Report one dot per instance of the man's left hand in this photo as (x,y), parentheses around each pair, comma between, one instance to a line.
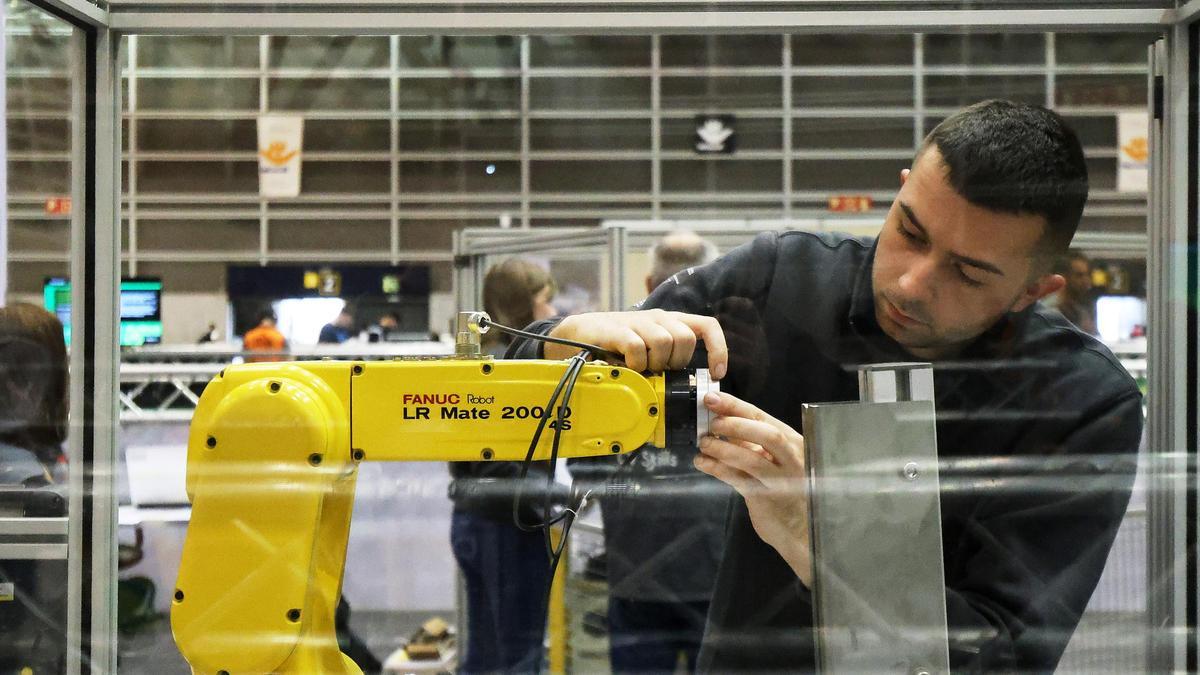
(763,459)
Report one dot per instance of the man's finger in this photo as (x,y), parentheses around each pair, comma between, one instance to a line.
(706,328)
(683,343)
(658,342)
(738,480)
(729,405)
(632,348)
(743,459)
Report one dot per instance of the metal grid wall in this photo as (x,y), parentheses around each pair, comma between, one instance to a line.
(400,132)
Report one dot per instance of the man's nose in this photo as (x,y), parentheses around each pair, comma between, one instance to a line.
(917,280)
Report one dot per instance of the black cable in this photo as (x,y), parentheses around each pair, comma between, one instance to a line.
(572,373)
(596,352)
(565,387)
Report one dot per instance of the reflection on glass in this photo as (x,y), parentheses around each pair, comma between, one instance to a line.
(33,341)
(395,167)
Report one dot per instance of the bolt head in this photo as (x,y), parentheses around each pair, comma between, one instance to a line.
(911,471)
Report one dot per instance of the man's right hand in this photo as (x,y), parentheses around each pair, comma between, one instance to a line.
(653,339)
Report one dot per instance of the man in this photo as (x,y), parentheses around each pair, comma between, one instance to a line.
(1042,412)
(1075,300)
(338,331)
(657,607)
(264,337)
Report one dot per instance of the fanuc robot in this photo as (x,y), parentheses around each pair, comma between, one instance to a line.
(273,453)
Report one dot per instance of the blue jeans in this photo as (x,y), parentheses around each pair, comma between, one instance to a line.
(506,572)
(648,637)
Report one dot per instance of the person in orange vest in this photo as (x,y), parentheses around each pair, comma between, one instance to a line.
(265,337)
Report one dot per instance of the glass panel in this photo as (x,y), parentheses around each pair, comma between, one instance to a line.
(33,93)
(36,320)
(799,314)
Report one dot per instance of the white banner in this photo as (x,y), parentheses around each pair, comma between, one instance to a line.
(280,140)
(1133,152)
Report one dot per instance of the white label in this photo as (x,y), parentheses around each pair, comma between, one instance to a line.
(280,143)
(1133,152)
(7,592)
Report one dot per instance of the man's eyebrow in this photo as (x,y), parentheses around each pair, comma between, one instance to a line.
(967,260)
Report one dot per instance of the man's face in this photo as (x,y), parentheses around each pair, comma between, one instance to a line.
(947,270)
(1079,278)
(542,309)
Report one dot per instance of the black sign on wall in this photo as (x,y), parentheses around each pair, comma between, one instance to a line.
(715,134)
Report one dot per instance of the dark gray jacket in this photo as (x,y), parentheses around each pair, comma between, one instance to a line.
(1022,554)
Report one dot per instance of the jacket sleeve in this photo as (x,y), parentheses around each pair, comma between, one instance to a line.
(1036,550)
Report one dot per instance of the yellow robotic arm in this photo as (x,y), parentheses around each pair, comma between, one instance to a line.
(273,453)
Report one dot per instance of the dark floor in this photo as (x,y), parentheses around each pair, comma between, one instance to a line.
(151,650)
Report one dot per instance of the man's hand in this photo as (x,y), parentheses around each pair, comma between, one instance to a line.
(763,459)
(652,340)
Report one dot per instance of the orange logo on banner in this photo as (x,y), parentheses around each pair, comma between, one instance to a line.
(277,153)
(850,203)
(58,206)
(1137,149)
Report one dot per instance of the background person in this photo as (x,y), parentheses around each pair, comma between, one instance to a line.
(338,330)
(265,337)
(1076,301)
(33,428)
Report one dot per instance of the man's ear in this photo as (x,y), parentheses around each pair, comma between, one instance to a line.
(1040,288)
(904,175)
(649,284)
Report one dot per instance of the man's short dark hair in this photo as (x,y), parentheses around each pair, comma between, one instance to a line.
(1016,158)
(267,313)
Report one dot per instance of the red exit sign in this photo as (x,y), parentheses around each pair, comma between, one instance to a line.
(58,206)
(850,203)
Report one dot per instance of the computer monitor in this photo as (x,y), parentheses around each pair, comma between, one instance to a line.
(141,308)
